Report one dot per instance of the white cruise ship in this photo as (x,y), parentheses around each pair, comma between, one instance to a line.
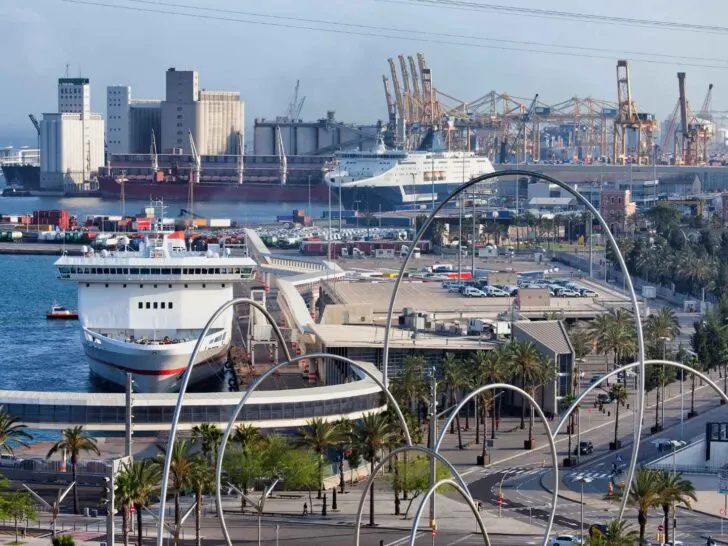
(141,312)
(390,179)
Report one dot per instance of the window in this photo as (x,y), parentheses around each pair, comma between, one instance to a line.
(149,305)
(155,304)
(163,305)
(141,305)
(169,305)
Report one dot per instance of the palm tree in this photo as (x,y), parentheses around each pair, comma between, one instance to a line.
(346,429)
(209,437)
(248,437)
(614,334)
(144,477)
(701,270)
(526,366)
(674,489)
(12,433)
(373,433)
(201,480)
(409,386)
(179,470)
(454,377)
(72,443)
(662,325)
(581,341)
(695,365)
(124,499)
(488,368)
(566,403)
(618,393)
(644,494)
(618,533)
(319,435)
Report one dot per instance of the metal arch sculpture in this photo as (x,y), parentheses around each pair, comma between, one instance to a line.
(463,493)
(622,265)
(550,436)
(629,366)
(183,389)
(250,390)
(385,460)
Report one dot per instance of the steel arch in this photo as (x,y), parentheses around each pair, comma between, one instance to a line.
(622,265)
(554,455)
(183,390)
(464,494)
(250,390)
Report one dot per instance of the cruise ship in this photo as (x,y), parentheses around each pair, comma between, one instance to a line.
(384,179)
(141,312)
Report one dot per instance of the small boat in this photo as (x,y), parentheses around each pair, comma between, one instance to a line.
(60,312)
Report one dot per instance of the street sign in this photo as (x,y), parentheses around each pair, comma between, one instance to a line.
(723,482)
(132,509)
(660,528)
(620,459)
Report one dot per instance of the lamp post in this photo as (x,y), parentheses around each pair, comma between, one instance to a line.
(582,480)
(664,340)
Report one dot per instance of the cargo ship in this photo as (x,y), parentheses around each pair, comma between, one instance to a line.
(256,178)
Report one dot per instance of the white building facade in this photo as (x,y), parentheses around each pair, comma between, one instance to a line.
(71,140)
(130,122)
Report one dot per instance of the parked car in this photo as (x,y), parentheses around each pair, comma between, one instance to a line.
(496,292)
(585,447)
(595,379)
(10,461)
(472,292)
(565,540)
(587,293)
(603,398)
(567,293)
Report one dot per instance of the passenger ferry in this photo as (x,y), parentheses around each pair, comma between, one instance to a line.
(141,312)
(389,179)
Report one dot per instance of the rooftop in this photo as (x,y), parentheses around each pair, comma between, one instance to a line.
(550,333)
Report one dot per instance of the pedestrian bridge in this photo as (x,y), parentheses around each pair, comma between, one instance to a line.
(353,396)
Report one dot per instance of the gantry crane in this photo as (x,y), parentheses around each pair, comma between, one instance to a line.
(627,117)
(416,97)
(521,134)
(407,98)
(389,136)
(400,128)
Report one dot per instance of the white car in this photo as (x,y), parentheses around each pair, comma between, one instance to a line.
(566,293)
(565,540)
(497,292)
(472,292)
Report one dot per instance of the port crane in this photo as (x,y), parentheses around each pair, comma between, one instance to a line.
(389,136)
(296,105)
(522,127)
(628,118)
(35,123)
(194,177)
(407,93)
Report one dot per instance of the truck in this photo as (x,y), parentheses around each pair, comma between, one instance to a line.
(495,328)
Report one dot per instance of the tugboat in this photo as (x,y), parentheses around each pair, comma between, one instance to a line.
(58,312)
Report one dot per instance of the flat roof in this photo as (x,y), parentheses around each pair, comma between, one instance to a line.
(338,335)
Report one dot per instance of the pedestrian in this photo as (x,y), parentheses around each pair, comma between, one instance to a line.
(305,509)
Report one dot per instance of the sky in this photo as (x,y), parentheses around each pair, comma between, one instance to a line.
(342,70)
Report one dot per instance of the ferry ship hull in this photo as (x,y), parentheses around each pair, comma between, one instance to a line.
(155,369)
(386,198)
(247,192)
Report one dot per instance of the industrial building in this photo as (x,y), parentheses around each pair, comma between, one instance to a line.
(130,122)
(214,119)
(293,137)
(72,139)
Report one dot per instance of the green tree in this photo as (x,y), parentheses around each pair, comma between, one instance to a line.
(618,533)
(319,435)
(12,433)
(489,367)
(73,442)
(413,476)
(19,507)
(346,430)
(243,468)
(144,478)
(63,540)
(664,218)
(674,490)
(373,433)
(614,333)
(618,393)
(581,341)
(202,480)
(409,387)
(209,437)
(179,471)
(124,499)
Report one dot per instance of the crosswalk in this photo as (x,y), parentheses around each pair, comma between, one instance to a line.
(592,474)
(513,472)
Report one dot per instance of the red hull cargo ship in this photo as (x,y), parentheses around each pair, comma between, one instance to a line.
(173,176)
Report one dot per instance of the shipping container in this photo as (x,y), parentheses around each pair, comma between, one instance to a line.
(220,222)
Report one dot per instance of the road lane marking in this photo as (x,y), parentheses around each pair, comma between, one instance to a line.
(402,540)
(461,539)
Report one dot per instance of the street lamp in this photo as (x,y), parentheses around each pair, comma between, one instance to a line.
(664,340)
(582,480)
